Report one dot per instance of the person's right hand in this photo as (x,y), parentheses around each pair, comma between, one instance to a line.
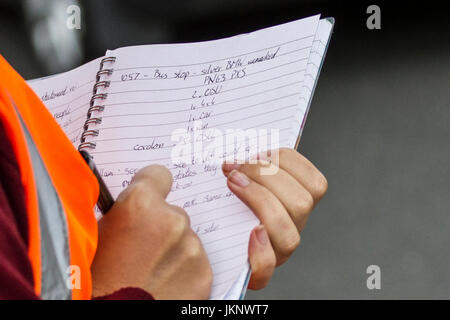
(147,243)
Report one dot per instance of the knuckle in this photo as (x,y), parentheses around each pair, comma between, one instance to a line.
(176,227)
(193,249)
(321,186)
(181,212)
(271,264)
(289,246)
(304,205)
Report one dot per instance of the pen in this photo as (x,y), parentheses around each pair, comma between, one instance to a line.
(105,200)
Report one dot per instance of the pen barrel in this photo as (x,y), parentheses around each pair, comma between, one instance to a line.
(105,200)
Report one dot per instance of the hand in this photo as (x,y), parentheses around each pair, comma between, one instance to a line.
(147,243)
(282,201)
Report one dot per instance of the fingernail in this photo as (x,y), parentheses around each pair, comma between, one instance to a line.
(261,235)
(230,166)
(239,178)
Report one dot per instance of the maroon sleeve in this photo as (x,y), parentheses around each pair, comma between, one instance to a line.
(130,293)
(16,276)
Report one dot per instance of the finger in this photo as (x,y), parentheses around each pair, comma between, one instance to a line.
(300,168)
(157,180)
(262,258)
(291,193)
(304,172)
(281,229)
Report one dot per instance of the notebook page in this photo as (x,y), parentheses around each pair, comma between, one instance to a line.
(251,81)
(314,65)
(67,97)
(318,51)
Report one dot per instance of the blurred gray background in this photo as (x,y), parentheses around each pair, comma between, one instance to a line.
(379,126)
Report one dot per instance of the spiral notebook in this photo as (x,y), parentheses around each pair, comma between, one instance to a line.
(136,105)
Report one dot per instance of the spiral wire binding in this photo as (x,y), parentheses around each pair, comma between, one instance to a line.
(96,107)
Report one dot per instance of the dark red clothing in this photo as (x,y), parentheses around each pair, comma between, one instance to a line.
(16,276)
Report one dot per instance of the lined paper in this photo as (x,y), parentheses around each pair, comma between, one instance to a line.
(250,81)
(67,97)
(314,65)
(318,50)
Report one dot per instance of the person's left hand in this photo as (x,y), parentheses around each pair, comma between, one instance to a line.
(282,201)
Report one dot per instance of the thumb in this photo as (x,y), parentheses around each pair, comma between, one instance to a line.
(152,183)
(262,258)
(157,179)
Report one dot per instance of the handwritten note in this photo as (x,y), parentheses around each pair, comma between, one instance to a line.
(67,97)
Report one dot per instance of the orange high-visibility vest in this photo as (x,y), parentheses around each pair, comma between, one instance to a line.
(60,192)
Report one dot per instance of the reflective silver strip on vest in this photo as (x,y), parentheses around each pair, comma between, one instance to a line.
(55,255)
